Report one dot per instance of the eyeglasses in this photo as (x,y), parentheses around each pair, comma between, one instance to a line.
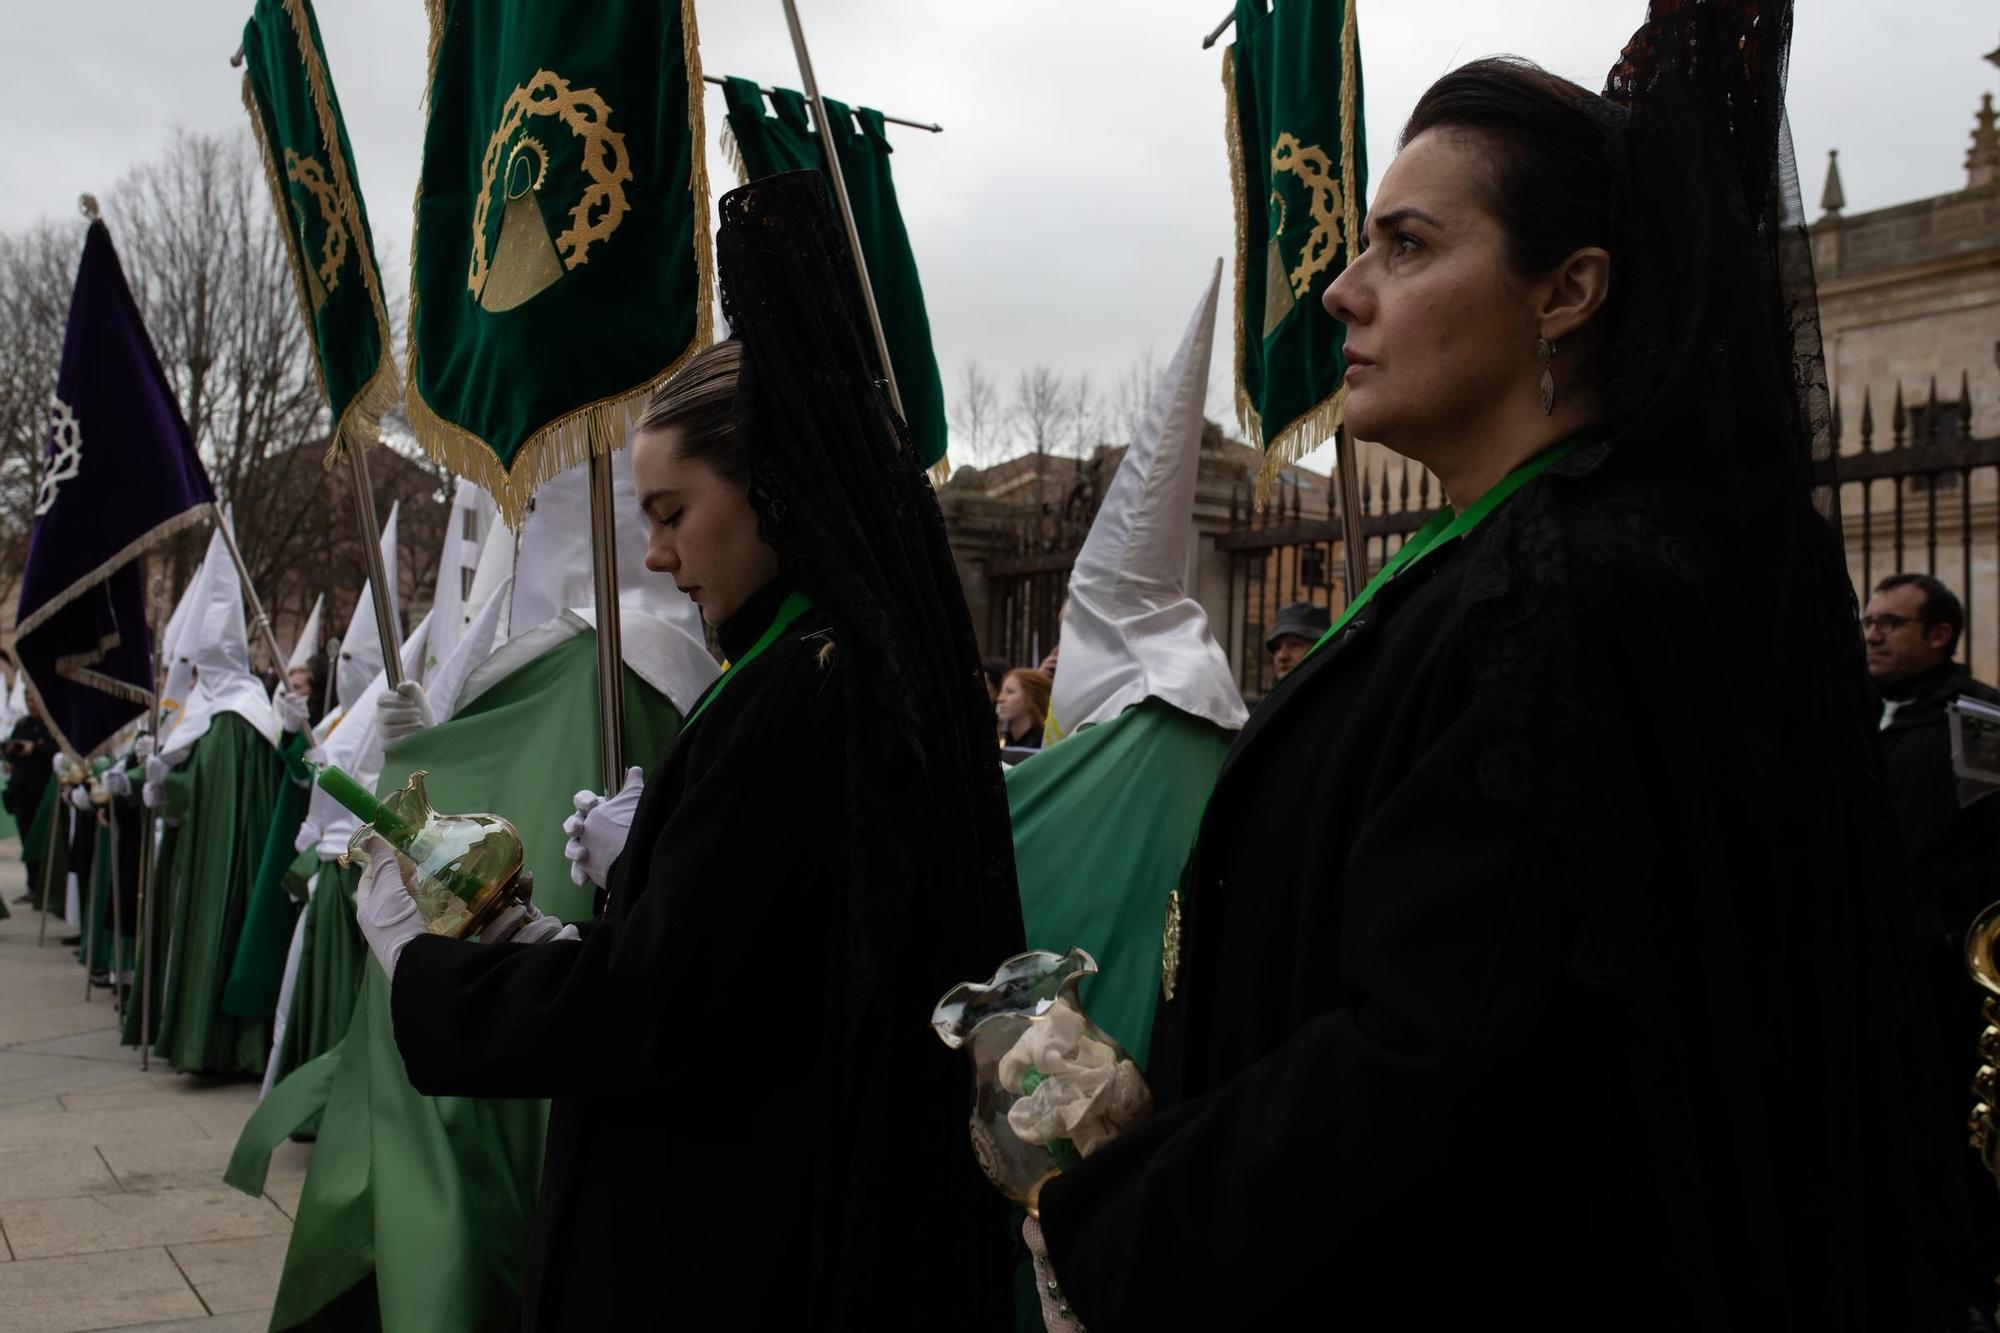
(1887,623)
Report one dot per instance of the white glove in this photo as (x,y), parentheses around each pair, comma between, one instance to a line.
(142,749)
(527,924)
(116,782)
(291,709)
(384,909)
(79,797)
(1055,1310)
(156,770)
(402,711)
(598,829)
(150,794)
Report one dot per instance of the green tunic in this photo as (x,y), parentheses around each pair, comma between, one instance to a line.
(35,849)
(1103,821)
(152,951)
(259,966)
(434,1197)
(230,784)
(330,964)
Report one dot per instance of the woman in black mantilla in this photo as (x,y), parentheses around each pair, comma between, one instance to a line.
(1541,965)
(753,1125)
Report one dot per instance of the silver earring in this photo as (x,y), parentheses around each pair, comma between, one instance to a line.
(1547,351)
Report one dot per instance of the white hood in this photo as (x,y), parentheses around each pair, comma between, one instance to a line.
(355,747)
(308,644)
(1131,631)
(180,670)
(361,655)
(216,641)
(466,528)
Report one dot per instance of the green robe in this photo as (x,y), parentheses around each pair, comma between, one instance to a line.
(152,951)
(1103,821)
(229,786)
(433,1198)
(96,949)
(258,969)
(35,849)
(330,968)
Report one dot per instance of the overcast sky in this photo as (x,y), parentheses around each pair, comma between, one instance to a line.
(1080,193)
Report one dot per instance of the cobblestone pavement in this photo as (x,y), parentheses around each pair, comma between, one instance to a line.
(113,1213)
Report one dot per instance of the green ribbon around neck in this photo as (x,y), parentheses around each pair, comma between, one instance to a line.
(794,606)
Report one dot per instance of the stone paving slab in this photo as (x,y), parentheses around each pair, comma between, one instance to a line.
(113,1213)
(80,1292)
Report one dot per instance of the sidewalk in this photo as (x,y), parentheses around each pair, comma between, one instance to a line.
(113,1213)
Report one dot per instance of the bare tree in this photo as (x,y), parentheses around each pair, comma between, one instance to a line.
(1131,396)
(1083,417)
(37,271)
(977,435)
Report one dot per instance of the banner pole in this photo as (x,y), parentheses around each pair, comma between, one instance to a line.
(1354,546)
(610,647)
(927,126)
(378,578)
(86,892)
(117,914)
(833,174)
(261,623)
(56,813)
(148,827)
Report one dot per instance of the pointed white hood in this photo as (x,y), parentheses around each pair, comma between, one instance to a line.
(356,747)
(180,670)
(308,644)
(215,640)
(1131,631)
(361,655)
(466,529)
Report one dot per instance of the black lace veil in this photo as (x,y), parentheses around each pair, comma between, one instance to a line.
(926,884)
(1774,988)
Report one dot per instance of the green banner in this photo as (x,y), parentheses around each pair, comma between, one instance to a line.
(1298,160)
(309,163)
(762,144)
(560,268)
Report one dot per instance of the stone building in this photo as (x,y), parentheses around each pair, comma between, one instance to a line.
(1909,302)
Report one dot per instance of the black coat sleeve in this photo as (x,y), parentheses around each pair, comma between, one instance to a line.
(666,990)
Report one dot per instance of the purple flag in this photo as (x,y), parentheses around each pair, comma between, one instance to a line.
(120,474)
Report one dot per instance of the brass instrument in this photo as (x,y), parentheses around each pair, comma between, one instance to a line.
(1985,969)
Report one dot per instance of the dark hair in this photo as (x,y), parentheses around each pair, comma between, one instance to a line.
(996,670)
(1551,184)
(1941,605)
(700,403)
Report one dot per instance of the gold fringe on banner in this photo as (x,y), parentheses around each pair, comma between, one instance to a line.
(595,428)
(1319,424)
(76,667)
(132,550)
(732,152)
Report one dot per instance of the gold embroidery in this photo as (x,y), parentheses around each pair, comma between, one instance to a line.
(1170,947)
(1324,204)
(524,260)
(306,172)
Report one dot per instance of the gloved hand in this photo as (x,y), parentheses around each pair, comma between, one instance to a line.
(79,796)
(292,710)
(117,783)
(150,794)
(598,829)
(156,770)
(527,924)
(384,909)
(402,711)
(1055,1310)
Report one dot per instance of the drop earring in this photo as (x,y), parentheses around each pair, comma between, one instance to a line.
(1547,351)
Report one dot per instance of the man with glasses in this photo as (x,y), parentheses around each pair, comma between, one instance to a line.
(1911,631)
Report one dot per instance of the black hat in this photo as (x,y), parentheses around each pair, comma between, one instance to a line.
(1301,618)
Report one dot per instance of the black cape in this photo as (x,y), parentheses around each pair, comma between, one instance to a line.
(1475,1023)
(694,1045)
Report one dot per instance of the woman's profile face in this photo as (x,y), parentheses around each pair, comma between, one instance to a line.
(1012,704)
(701,529)
(1439,330)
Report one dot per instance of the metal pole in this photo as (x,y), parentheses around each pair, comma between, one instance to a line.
(833,174)
(89,921)
(931,127)
(260,623)
(610,649)
(327,692)
(1215,35)
(117,916)
(378,578)
(1355,545)
(56,813)
(148,865)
